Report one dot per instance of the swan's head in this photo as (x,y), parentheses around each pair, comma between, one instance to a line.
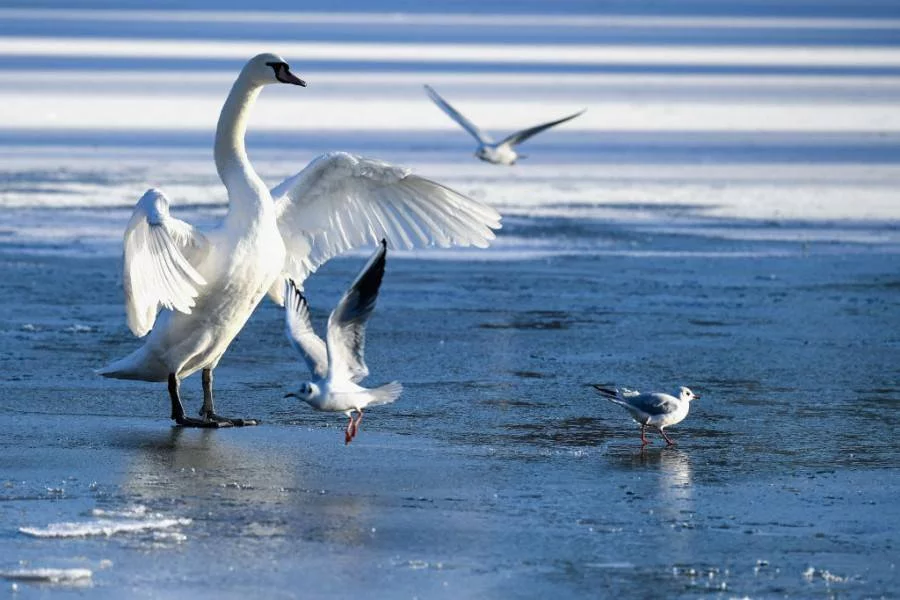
(686,394)
(268,68)
(307,392)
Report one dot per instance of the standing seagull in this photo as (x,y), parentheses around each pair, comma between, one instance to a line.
(338,365)
(655,409)
(497,153)
(190,292)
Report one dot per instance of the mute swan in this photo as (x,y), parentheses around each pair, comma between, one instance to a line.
(655,409)
(193,291)
(497,153)
(339,365)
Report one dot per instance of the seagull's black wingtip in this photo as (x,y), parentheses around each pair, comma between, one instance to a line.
(294,289)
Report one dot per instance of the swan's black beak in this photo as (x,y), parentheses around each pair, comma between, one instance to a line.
(290,395)
(284,75)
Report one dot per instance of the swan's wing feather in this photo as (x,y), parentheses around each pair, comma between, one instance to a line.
(458,117)
(341,201)
(158,269)
(520,136)
(300,333)
(347,323)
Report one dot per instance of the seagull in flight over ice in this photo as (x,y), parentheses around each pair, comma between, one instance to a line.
(654,409)
(189,292)
(497,153)
(337,363)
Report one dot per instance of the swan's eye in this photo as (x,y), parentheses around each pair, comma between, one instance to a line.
(277,67)
(284,75)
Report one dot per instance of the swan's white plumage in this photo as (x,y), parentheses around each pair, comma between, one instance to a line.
(341,201)
(194,291)
(157,271)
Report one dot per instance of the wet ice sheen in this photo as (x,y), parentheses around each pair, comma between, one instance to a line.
(758,267)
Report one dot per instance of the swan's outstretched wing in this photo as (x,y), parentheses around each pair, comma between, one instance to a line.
(300,333)
(520,136)
(458,117)
(347,323)
(341,201)
(159,250)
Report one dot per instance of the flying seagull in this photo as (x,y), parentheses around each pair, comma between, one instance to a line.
(654,409)
(498,153)
(338,365)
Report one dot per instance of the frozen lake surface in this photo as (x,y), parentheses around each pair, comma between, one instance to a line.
(721,219)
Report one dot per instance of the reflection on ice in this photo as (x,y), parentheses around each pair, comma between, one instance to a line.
(220,480)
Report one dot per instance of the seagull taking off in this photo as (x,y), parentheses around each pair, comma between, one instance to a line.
(498,153)
(338,364)
(655,409)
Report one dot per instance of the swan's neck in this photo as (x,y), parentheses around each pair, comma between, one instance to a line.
(247,194)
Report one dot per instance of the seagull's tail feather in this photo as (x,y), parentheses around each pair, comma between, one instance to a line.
(386,393)
(608,393)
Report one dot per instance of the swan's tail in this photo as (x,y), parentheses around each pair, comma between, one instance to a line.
(386,393)
(138,365)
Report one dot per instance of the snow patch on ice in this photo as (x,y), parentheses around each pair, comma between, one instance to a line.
(134,519)
(102,527)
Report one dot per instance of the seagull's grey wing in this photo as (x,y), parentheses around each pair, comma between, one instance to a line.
(459,118)
(300,333)
(347,323)
(520,136)
(653,404)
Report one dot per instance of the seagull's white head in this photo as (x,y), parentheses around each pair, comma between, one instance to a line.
(308,392)
(268,68)
(686,394)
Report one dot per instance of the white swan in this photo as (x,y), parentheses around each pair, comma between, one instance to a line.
(497,153)
(193,291)
(338,365)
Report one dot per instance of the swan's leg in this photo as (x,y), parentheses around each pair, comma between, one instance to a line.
(178,409)
(208,410)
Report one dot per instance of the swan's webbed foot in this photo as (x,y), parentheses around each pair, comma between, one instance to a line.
(208,410)
(211,417)
(184,421)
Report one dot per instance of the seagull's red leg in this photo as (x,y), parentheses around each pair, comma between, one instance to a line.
(669,441)
(348,435)
(356,424)
(644,440)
